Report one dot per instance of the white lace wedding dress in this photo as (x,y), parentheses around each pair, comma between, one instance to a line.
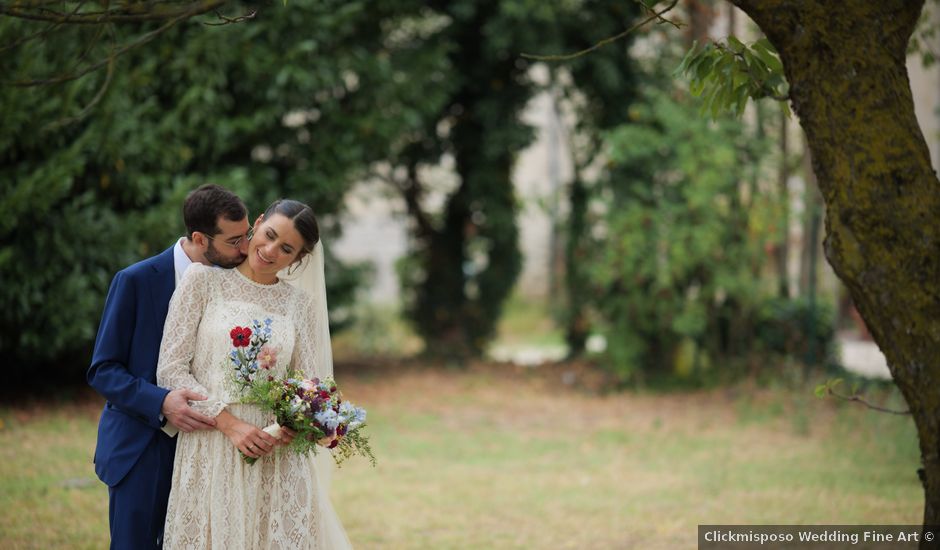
(217,500)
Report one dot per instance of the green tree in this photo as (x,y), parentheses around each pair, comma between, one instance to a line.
(601,89)
(677,268)
(275,106)
(466,257)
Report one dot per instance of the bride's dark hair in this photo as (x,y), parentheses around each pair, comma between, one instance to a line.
(304,221)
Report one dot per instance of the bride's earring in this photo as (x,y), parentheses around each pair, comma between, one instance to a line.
(293,267)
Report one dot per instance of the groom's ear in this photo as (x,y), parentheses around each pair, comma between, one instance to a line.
(199,239)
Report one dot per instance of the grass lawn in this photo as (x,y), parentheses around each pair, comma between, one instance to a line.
(503,457)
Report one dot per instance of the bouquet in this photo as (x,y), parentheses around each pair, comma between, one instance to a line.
(313,409)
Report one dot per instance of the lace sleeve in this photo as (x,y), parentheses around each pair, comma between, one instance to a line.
(179,339)
(305,334)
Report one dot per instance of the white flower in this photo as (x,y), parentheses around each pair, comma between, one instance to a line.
(296,404)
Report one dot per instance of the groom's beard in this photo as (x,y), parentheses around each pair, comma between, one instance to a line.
(216,258)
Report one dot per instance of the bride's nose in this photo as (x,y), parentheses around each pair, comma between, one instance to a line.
(270,251)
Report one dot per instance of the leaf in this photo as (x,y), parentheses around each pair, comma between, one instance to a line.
(742,93)
(736,45)
(689,55)
(692,69)
(768,54)
(739,77)
(705,67)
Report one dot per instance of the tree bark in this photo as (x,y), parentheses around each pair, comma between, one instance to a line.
(848,83)
(701,15)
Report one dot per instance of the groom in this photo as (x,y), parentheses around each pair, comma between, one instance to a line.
(134,457)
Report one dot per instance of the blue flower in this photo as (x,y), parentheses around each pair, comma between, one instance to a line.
(328,418)
(347,409)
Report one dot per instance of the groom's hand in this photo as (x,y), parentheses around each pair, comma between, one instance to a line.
(177,411)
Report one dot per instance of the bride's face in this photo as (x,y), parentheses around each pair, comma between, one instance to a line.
(275,245)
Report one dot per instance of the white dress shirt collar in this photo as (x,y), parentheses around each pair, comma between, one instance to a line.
(181,261)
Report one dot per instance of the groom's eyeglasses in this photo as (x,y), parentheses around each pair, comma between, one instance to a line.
(234,243)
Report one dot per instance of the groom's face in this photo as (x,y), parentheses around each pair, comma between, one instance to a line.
(230,246)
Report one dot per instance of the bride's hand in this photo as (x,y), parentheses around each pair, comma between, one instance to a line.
(248,439)
(287,435)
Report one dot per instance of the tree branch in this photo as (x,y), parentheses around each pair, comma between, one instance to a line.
(858,399)
(118,15)
(91,105)
(231,20)
(655,15)
(410,190)
(38,34)
(113,54)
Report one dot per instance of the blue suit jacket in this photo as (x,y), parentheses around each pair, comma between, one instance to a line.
(124,365)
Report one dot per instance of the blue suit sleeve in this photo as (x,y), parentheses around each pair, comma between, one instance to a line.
(109,373)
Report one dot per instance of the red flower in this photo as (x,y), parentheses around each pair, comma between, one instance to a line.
(241,336)
(333,443)
(324,395)
(333,389)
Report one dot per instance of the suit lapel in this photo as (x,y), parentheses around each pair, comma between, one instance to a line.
(162,285)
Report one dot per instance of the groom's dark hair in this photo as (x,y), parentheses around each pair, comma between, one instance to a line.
(202,208)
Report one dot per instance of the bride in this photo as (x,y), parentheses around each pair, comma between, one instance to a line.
(217,500)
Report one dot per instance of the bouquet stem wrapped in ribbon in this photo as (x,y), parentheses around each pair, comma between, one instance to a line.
(313,409)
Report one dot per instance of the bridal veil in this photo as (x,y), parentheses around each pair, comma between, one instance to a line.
(309,276)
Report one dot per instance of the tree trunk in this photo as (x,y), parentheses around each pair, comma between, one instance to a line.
(576,284)
(848,83)
(783,249)
(469,263)
(701,15)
